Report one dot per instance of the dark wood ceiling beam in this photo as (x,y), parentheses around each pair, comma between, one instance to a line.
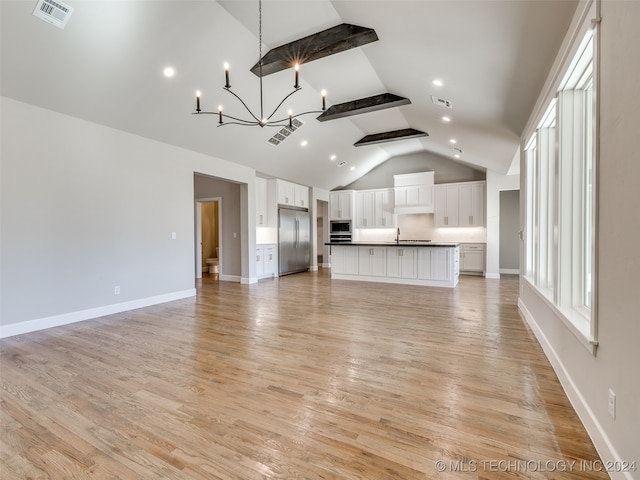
(390,136)
(363,105)
(319,45)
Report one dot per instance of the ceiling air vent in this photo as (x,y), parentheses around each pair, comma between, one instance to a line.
(284,132)
(441,102)
(55,13)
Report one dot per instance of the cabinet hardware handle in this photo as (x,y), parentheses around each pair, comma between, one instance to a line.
(471,219)
(257,258)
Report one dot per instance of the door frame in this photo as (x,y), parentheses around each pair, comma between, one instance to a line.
(198,236)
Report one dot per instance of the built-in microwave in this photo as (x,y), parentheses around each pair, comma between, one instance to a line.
(340,226)
(340,231)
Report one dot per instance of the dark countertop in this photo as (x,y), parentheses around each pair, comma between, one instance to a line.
(392,244)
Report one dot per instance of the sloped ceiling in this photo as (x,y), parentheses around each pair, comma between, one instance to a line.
(106,67)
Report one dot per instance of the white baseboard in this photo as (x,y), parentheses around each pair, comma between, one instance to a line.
(326,265)
(313,268)
(510,271)
(598,436)
(493,276)
(230,278)
(79,316)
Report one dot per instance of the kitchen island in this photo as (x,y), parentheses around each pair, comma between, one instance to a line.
(411,263)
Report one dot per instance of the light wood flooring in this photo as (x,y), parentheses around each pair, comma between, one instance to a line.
(299,377)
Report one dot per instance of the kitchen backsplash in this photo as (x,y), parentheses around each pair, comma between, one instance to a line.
(421,227)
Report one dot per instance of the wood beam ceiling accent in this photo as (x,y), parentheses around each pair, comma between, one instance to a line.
(318,45)
(363,105)
(390,136)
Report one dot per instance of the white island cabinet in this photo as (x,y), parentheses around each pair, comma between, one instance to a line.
(435,265)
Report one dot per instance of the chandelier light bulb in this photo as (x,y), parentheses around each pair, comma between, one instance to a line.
(226,75)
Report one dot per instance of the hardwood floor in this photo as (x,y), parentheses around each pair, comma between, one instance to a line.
(297,377)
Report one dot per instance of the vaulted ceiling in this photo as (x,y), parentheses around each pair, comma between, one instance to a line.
(107,65)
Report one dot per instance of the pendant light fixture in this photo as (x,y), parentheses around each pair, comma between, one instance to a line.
(260,120)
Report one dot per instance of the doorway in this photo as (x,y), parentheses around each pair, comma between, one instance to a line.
(509,226)
(208,245)
(322,233)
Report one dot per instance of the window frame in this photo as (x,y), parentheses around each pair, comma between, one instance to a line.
(560,241)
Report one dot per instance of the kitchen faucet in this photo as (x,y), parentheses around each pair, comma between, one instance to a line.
(398,236)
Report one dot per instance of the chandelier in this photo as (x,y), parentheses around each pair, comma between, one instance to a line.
(261,120)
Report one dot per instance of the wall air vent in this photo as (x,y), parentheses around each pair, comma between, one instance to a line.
(441,102)
(284,132)
(55,13)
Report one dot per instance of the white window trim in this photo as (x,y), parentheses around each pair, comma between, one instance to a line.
(583,327)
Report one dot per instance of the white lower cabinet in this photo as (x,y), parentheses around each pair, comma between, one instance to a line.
(401,262)
(472,258)
(428,266)
(266,260)
(436,264)
(372,261)
(344,260)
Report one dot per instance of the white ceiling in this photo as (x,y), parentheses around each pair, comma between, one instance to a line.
(106,66)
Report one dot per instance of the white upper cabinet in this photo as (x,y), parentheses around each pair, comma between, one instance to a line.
(292,194)
(459,204)
(341,205)
(471,208)
(262,219)
(374,208)
(446,207)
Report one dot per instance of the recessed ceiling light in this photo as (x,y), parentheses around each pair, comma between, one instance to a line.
(457,155)
(353,168)
(446,119)
(437,82)
(169,72)
(332,158)
(303,143)
(453,140)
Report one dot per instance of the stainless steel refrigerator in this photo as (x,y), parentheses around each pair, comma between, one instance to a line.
(293,240)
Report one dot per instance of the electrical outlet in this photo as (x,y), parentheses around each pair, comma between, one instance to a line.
(611,404)
(116,290)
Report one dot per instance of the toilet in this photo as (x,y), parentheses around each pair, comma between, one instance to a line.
(214,263)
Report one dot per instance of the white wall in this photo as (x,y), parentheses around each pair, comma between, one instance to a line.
(85,208)
(587,377)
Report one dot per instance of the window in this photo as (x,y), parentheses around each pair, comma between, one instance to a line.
(561,196)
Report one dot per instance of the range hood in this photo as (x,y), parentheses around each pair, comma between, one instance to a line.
(413,193)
